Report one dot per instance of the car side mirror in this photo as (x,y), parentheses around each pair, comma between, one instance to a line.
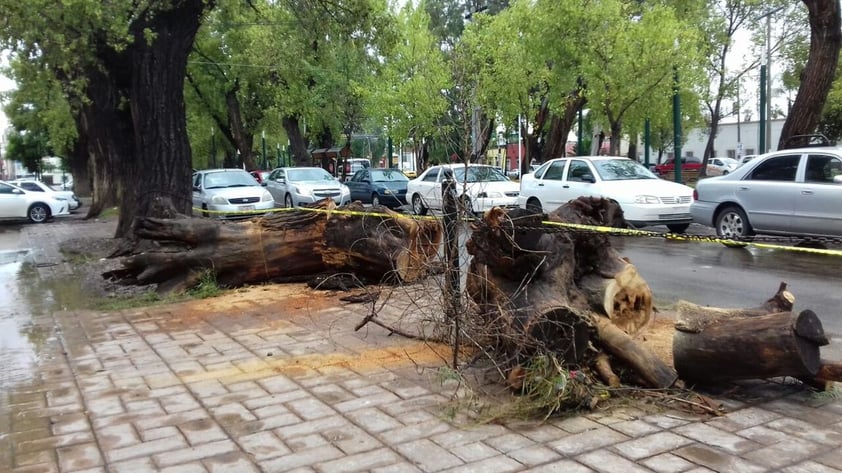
(588,178)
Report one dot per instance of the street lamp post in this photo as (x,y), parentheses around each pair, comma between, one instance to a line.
(676,122)
(766,84)
(761,145)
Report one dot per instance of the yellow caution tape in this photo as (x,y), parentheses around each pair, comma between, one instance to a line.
(575,226)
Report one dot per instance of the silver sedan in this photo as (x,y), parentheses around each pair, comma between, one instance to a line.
(789,192)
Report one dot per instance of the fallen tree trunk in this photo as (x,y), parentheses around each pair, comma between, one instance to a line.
(744,347)
(288,246)
(567,293)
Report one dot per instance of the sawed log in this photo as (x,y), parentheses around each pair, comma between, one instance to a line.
(745,347)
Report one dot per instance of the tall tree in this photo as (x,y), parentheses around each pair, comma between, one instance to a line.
(819,72)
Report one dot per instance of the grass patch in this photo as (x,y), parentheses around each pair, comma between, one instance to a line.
(206,287)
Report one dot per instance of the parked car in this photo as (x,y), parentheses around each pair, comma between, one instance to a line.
(721,166)
(788,192)
(351,166)
(229,194)
(644,198)
(747,158)
(73,202)
(260,176)
(379,186)
(38,207)
(480,187)
(292,187)
(515,173)
(688,163)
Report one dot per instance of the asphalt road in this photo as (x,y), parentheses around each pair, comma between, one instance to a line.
(712,274)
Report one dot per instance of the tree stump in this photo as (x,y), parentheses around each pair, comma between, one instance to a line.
(547,289)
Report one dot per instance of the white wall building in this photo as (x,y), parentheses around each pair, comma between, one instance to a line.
(726,144)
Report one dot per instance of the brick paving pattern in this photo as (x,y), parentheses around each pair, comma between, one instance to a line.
(274,384)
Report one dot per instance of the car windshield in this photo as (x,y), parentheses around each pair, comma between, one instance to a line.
(621,170)
(479,174)
(309,175)
(219,180)
(387,175)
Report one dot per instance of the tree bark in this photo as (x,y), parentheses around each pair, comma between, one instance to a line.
(540,291)
(287,246)
(819,72)
(161,164)
(764,346)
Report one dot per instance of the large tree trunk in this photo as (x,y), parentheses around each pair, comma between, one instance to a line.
(107,128)
(242,138)
(161,164)
(297,141)
(817,77)
(540,291)
(79,162)
(286,246)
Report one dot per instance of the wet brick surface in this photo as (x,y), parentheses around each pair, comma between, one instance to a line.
(257,385)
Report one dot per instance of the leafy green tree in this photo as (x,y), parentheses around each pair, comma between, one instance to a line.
(407,91)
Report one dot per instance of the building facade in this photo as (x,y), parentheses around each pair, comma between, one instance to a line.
(730,137)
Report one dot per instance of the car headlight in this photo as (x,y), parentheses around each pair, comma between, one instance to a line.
(388,191)
(344,190)
(646,199)
(489,195)
(219,200)
(266,197)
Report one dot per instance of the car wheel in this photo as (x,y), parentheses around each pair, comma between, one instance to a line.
(38,213)
(534,205)
(418,207)
(375,200)
(678,227)
(732,223)
(205,208)
(724,173)
(288,201)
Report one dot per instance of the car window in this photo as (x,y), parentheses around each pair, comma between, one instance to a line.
(541,170)
(388,175)
(822,168)
(359,176)
(577,169)
(479,174)
(621,170)
(555,171)
(777,168)
(432,175)
(30,186)
(309,175)
(197,180)
(6,189)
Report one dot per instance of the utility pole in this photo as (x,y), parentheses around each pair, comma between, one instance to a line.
(766,84)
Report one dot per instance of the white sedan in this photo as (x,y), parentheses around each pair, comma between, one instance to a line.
(479,186)
(73,202)
(37,207)
(644,198)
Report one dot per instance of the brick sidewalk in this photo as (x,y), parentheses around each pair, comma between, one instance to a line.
(267,379)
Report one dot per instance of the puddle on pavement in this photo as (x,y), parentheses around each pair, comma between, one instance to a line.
(23,342)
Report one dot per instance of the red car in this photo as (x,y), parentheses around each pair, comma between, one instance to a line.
(688,163)
(260,176)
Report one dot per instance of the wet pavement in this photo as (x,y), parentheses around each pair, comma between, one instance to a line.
(275,378)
